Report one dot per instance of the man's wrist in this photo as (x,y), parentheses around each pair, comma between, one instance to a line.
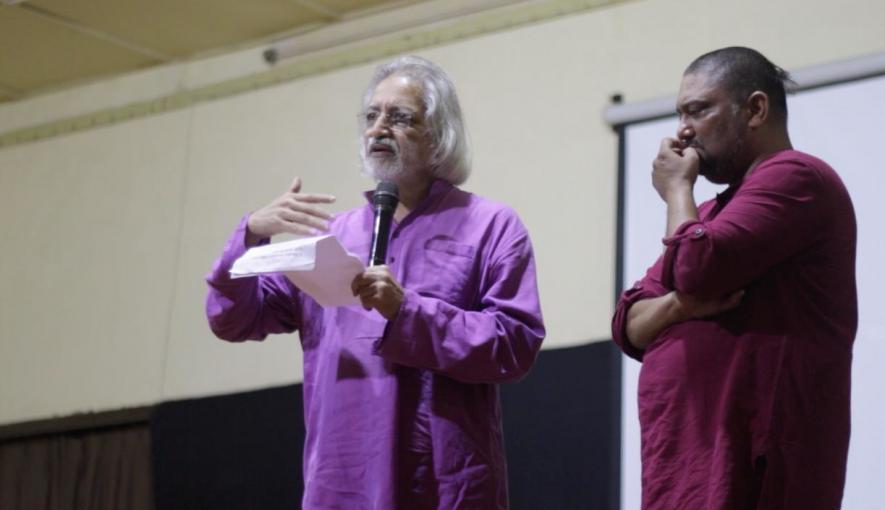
(679,193)
(392,313)
(251,238)
(675,309)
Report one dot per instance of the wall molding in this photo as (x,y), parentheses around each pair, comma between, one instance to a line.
(475,25)
(80,422)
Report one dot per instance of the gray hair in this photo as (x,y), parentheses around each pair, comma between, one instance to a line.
(450,159)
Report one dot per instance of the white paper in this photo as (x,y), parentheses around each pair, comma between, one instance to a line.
(319,266)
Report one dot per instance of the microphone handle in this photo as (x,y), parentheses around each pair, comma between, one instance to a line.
(380,236)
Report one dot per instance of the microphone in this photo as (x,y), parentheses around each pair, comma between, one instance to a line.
(384,200)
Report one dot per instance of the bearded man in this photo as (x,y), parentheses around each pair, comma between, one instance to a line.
(745,324)
(400,396)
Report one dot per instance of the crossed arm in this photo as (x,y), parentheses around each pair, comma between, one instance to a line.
(674,176)
(648,317)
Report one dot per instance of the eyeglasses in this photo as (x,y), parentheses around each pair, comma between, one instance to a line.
(398,119)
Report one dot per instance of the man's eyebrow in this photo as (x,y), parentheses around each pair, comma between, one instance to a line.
(690,104)
(401,109)
(393,109)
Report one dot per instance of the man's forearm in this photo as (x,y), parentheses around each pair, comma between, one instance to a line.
(648,317)
(681,207)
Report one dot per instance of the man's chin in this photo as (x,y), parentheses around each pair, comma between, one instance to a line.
(383,172)
(716,177)
(705,169)
(710,174)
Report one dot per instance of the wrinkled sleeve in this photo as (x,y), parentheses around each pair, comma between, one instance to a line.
(646,288)
(769,219)
(497,342)
(248,308)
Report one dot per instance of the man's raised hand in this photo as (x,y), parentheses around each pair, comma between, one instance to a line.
(292,212)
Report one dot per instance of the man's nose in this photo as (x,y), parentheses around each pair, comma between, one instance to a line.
(685,131)
(378,128)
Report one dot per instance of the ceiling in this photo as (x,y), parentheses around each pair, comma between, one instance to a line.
(51,44)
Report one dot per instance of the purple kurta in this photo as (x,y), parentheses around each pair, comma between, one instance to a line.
(753,403)
(405,414)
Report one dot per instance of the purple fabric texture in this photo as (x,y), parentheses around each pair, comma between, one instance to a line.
(405,414)
(752,405)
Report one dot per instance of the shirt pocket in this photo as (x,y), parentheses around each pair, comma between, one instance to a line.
(447,270)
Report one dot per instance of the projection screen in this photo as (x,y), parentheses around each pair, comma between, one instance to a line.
(842,124)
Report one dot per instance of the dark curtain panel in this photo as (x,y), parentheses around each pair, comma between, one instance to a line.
(232,452)
(562,430)
(100,469)
(243,451)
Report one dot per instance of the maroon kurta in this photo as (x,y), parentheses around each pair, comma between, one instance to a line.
(753,402)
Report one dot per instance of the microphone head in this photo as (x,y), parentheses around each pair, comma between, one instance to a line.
(386,195)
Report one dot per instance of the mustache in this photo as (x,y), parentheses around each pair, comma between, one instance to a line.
(389,143)
(690,144)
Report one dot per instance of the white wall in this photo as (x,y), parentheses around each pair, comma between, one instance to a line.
(107,233)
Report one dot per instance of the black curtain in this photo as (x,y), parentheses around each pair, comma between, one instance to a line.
(243,451)
(240,451)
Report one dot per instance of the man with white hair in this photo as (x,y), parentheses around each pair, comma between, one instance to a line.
(400,397)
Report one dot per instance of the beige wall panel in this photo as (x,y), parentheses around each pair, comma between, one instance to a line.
(642,47)
(245,151)
(89,224)
(116,92)
(533,99)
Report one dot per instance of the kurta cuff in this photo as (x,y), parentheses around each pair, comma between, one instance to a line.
(619,321)
(691,230)
(395,343)
(233,249)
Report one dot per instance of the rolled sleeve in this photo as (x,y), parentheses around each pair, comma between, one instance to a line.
(646,288)
(247,308)
(773,215)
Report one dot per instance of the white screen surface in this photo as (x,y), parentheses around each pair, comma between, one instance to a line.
(843,125)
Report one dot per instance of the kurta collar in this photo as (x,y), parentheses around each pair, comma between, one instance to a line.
(725,196)
(437,187)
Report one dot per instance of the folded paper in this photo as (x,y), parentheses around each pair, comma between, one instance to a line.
(319,266)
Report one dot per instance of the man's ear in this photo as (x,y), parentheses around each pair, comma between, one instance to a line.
(758,107)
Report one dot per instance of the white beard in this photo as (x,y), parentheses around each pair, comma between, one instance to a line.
(393,167)
(386,169)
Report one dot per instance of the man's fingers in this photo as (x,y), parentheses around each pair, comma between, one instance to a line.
(315,198)
(304,219)
(359,282)
(734,299)
(368,295)
(728,302)
(295,187)
(366,304)
(377,272)
(668,144)
(372,282)
(298,229)
(296,205)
